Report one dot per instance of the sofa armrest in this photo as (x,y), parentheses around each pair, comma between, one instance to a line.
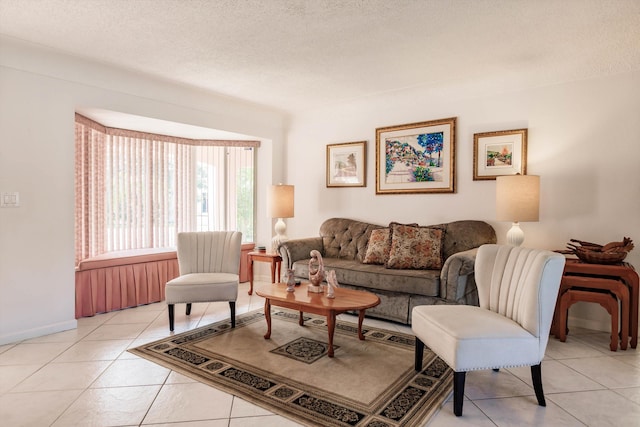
(297,249)
(457,281)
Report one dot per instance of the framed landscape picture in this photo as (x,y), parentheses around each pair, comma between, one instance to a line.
(347,164)
(499,153)
(416,157)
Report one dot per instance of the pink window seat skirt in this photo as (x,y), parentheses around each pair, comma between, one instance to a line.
(124,279)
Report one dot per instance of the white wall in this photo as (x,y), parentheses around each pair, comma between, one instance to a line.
(39,93)
(583,142)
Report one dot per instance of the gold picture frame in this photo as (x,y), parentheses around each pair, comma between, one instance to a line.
(499,153)
(416,157)
(347,164)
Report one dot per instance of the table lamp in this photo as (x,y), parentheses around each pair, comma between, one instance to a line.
(281,206)
(517,200)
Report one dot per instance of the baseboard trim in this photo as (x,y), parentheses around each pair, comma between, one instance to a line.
(38,332)
(595,325)
(265,278)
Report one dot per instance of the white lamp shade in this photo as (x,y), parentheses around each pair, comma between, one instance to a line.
(281,201)
(518,198)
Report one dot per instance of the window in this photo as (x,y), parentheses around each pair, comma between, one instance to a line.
(138,190)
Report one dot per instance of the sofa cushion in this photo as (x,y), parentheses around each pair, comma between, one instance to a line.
(393,305)
(378,247)
(415,247)
(376,277)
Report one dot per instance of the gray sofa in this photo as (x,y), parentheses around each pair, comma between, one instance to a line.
(343,245)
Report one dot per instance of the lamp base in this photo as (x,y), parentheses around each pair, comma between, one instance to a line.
(280,228)
(515,235)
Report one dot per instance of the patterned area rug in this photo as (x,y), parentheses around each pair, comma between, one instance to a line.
(368,383)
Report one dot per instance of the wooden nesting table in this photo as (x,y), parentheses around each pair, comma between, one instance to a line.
(606,300)
(304,301)
(606,284)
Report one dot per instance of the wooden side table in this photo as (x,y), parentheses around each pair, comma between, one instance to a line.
(260,256)
(244,261)
(605,299)
(618,290)
(582,275)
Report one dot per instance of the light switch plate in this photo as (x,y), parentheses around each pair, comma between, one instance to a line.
(9,199)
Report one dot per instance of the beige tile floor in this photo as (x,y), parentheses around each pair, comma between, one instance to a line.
(85,377)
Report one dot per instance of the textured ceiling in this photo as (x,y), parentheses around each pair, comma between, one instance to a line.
(295,55)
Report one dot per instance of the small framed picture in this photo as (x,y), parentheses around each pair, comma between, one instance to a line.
(499,153)
(347,164)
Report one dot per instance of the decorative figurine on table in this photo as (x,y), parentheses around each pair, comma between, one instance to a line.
(316,272)
(291,282)
(332,284)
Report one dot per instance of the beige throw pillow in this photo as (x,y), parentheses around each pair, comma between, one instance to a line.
(418,248)
(378,247)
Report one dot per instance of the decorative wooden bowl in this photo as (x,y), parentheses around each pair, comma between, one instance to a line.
(593,253)
(593,257)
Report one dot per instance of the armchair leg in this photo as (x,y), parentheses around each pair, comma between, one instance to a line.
(232,306)
(536,377)
(458,392)
(188,308)
(419,354)
(171,317)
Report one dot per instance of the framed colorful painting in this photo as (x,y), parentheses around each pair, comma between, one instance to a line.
(416,157)
(347,164)
(499,153)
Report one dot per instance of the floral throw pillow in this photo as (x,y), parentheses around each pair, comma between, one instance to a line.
(418,248)
(378,247)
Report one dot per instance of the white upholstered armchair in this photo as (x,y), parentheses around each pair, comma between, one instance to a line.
(209,263)
(517,290)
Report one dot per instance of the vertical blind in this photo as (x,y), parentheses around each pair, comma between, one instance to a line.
(138,190)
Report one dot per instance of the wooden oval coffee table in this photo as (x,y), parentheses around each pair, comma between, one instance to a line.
(304,301)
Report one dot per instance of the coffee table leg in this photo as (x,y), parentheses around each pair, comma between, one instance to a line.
(360,319)
(267,315)
(301,319)
(331,326)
